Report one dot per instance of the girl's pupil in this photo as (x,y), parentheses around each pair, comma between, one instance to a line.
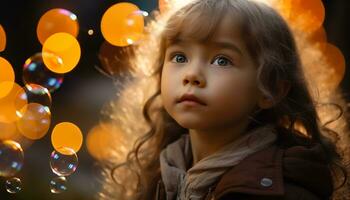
(180,58)
(222,61)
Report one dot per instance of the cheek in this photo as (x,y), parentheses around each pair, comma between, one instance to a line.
(235,96)
(166,89)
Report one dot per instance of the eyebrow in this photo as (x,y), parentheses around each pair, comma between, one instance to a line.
(221,44)
(227,45)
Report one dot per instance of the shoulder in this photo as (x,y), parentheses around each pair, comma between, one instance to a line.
(293,170)
(305,167)
(297,192)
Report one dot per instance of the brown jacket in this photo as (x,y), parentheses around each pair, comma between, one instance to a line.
(286,170)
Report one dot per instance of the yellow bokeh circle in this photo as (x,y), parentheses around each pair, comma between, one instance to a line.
(2,39)
(122,25)
(55,21)
(7,77)
(11,103)
(306,16)
(102,140)
(61,53)
(66,135)
(335,60)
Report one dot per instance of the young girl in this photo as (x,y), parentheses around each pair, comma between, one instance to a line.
(231,116)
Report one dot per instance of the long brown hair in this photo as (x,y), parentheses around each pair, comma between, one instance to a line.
(271,43)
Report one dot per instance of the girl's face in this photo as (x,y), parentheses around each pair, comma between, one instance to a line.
(219,71)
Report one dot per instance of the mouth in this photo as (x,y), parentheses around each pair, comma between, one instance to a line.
(191,100)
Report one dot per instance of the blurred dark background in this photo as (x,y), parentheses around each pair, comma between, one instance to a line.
(85,90)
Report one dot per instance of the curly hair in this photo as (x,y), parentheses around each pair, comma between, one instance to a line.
(271,42)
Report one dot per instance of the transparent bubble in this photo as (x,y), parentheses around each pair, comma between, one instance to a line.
(58,185)
(13,185)
(64,161)
(34,121)
(35,71)
(11,158)
(33,93)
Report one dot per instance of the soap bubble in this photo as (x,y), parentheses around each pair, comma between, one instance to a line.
(34,121)
(13,185)
(35,71)
(58,185)
(64,161)
(11,158)
(33,93)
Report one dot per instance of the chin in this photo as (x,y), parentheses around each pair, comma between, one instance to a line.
(187,123)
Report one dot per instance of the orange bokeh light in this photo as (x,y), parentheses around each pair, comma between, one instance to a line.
(122,25)
(7,77)
(2,38)
(61,53)
(307,16)
(55,21)
(102,140)
(335,60)
(317,37)
(8,131)
(66,135)
(11,104)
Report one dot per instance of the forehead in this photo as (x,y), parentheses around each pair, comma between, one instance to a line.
(228,29)
(225,33)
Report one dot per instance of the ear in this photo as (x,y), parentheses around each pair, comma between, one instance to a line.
(266,102)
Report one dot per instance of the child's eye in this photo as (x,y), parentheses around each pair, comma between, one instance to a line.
(222,61)
(179,58)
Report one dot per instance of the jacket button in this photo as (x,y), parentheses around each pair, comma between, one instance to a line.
(266,182)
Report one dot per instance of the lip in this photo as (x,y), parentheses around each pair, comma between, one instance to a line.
(190,99)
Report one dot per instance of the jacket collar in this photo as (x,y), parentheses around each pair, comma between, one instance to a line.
(267,167)
(265,172)
(259,174)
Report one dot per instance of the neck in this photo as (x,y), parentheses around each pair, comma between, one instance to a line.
(207,142)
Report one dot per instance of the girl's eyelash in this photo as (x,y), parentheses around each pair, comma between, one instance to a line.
(225,57)
(173,56)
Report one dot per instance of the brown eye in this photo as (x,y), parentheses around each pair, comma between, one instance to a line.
(222,61)
(179,58)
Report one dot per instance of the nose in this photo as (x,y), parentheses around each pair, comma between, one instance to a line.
(194,77)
